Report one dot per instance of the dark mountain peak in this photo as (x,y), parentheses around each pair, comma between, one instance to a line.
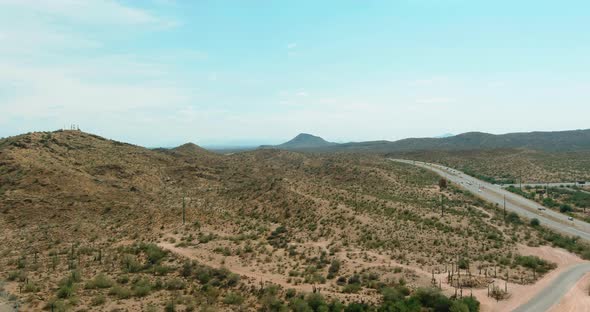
(190,149)
(303,141)
(307,138)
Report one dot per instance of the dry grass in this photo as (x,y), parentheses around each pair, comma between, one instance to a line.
(92,222)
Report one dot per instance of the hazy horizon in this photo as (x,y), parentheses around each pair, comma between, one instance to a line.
(164,72)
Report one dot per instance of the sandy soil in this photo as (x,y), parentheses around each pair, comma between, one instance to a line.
(521,294)
(577,299)
(256,277)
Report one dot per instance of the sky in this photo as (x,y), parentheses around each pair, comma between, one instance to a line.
(247,72)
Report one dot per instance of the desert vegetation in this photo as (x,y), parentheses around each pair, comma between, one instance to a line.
(91,224)
(570,200)
(510,166)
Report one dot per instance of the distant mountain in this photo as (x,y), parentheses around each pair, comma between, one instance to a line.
(446,135)
(574,140)
(189,149)
(303,141)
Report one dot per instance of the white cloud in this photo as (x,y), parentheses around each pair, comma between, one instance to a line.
(54,72)
(99,12)
(292,45)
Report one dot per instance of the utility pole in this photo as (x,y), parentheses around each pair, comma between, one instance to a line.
(504,208)
(183,210)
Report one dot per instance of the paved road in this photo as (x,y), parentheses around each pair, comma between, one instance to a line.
(516,203)
(558,288)
(529,209)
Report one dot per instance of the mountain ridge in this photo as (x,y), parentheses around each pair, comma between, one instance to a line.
(569,140)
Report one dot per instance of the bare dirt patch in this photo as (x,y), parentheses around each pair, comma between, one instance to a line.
(521,294)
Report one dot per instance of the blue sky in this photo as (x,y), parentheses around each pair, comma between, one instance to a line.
(164,72)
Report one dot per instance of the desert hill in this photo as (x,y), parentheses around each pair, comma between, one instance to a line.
(190,149)
(76,208)
(303,141)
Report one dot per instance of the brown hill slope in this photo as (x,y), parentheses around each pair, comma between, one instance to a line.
(69,198)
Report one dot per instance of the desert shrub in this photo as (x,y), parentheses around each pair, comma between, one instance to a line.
(18,275)
(123,279)
(432,298)
(187,269)
(535,222)
(98,300)
(232,280)
(175,284)
(278,237)
(394,294)
(471,303)
(31,287)
(316,302)
(351,288)
(534,263)
(512,217)
(170,307)
(154,253)
(65,290)
(160,269)
(463,264)
(120,292)
(333,269)
(99,281)
(130,264)
(565,208)
(458,306)
(233,298)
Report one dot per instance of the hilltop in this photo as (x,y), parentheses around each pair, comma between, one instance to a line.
(303,141)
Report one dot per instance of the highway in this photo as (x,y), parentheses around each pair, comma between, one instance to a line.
(515,203)
(551,295)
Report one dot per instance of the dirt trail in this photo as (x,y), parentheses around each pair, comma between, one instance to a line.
(521,294)
(260,277)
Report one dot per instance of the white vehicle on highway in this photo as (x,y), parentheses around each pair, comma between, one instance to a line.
(570,218)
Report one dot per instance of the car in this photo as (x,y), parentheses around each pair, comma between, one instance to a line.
(570,218)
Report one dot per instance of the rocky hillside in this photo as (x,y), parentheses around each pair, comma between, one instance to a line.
(90,223)
(557,141)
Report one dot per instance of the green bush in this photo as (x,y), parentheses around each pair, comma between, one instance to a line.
(131,265)
(333,269)
(120,292)
(98,300)
(141,288)
(233,298)
(99,281)
(175,284)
